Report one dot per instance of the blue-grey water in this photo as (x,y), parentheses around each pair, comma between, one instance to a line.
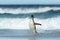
(14,22)
(6,34)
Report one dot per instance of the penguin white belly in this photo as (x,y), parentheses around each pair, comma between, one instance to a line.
(32,27)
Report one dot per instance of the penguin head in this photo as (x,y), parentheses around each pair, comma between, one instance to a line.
(32,16)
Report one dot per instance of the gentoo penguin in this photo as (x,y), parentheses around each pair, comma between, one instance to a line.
(32,25)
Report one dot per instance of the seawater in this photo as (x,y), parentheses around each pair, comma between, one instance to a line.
(14,22)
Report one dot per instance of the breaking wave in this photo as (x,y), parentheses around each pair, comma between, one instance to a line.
(23,23)
(28,10)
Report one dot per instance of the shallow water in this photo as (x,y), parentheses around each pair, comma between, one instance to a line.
(27,35)
(29,38)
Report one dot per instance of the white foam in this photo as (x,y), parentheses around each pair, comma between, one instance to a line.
(27,10)
(49,24)
(23,23)
(17,23)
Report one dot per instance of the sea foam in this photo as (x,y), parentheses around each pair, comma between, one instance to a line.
(23,23)
(27,10)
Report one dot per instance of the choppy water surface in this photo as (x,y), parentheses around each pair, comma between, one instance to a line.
(14,22)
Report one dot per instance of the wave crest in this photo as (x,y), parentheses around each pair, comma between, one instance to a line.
(28,10)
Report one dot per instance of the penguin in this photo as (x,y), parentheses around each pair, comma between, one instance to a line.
(32,25)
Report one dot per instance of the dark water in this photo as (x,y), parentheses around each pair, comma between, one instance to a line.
(7,11)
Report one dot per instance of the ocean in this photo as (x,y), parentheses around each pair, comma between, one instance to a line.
(15,19)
